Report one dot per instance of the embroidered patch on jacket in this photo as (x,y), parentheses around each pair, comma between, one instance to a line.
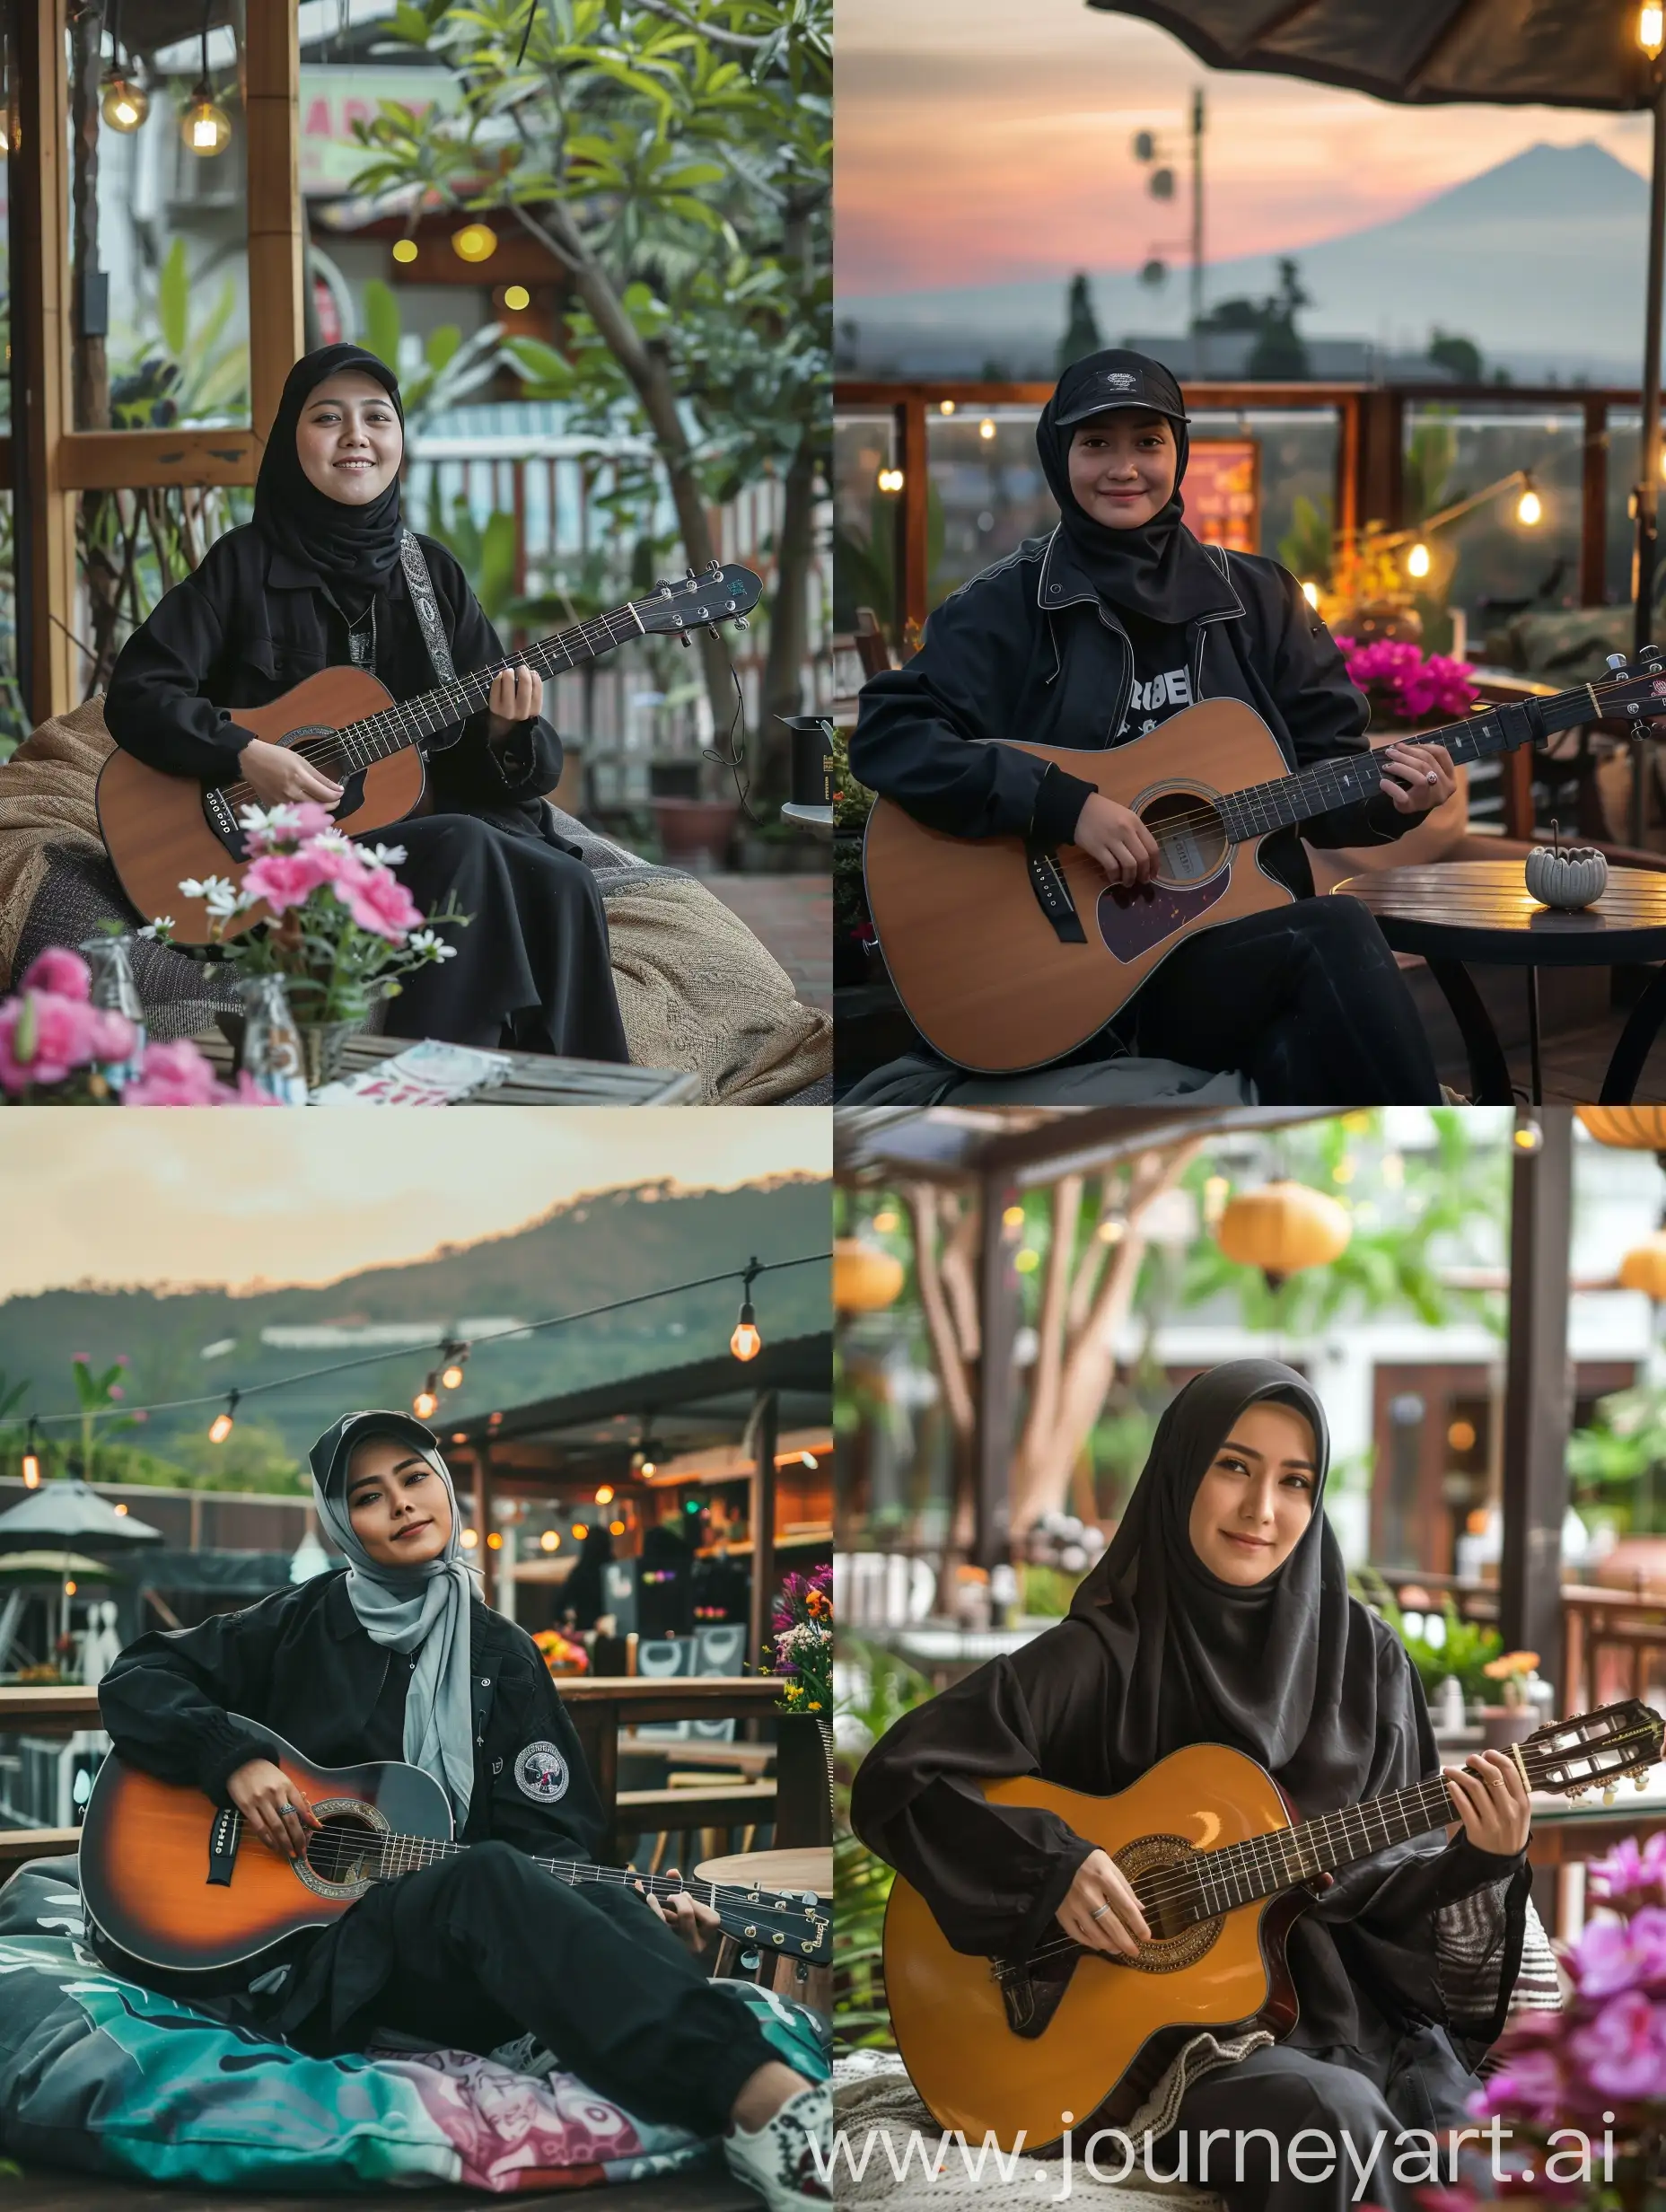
(541,1773)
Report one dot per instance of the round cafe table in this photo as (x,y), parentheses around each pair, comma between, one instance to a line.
(1461,911)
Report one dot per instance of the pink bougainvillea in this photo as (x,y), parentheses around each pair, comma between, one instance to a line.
(1404,686)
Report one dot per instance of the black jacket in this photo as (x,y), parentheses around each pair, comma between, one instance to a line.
(299,1663)
(1028,650)
(250,624)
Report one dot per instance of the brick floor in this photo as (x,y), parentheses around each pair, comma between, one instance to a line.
(793,916)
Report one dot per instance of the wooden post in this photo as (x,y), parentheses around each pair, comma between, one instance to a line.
(1381,430)
(276,246)
(913,564)
(1537,1390)
(1347,478)
(765,1427)
(43,515)
(482,1513)
(997,1299)
(1594,519)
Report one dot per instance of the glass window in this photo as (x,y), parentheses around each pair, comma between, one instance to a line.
(865,518)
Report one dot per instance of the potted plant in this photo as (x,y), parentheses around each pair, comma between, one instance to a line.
(1515,1715)
(57,1049)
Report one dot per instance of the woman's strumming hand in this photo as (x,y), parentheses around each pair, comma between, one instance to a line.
(1417,777)
(684,1915)
(1490,1801)
(273,1806)
(1101,1881)
(1116,837)
(281,777)
(517,694)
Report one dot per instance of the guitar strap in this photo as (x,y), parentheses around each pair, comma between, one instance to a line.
(421,584)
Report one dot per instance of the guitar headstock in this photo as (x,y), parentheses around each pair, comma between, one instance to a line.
(719,595)
(1594,1749)
(794,1924)
(1634,690)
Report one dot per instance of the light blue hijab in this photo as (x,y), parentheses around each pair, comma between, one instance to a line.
(421,1609)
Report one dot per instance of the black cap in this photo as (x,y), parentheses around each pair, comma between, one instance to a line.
(1103,380)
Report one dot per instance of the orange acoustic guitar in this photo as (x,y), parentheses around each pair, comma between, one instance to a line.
(162,831)
(1218,1859)
(1009,955)
(179,1882)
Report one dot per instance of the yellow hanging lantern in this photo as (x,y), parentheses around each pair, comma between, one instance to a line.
(865,1279)
(1644,1268)
(1282,1228)
(1633,1129)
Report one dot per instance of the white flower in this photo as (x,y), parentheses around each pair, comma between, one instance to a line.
(382,856)
(331,841)
(160,927)
(218,893)
(277,820)
(429,945)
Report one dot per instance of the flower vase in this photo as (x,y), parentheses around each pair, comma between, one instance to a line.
(323,1049)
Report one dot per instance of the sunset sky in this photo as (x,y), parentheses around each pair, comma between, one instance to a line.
(150,1197)
(980,141)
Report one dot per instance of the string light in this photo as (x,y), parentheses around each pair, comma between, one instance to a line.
(581,1529)
(604,1494)
(889,479)
(405,249)
(616,1528)
(1418,560)
(476,242)
(550,1540)
(746,1342)
(426,1403)
(945,407)
(986,429)
(649,1469)
(1530,509)
(455,1357)
(469,1540)
(1652,31)
(495,1541)
(124,105)
(223,1422)
(516,297)
(31,1455)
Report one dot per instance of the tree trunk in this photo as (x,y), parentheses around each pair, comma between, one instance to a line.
(645,364)
(789,630)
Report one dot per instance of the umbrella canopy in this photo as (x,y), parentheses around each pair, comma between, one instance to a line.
(1501,53)
(56,1566)
(70,1511)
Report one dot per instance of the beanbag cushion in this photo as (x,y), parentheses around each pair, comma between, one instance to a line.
(101,2075)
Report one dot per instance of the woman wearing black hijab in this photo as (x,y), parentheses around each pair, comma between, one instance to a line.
(320,579)
(1221,1613)
(1097,633)
(397,1658)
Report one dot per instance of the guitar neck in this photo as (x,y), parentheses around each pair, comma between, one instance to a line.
(1268,1864)
(404,724)
(1288,799)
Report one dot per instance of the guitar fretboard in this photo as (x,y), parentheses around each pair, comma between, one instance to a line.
(1277,1861)
(1288,799)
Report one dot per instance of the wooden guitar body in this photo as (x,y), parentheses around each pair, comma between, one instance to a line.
(155,1884)
(1116,2024)
(158,829)
(975,960)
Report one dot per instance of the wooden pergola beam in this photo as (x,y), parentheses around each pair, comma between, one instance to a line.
(91,461)
(1537,1390)
(277,243)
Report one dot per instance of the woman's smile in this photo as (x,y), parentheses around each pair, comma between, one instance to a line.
(1250,1543)
(412,1528)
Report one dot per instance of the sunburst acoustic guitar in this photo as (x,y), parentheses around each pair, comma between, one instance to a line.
(1219,1859)
(1009,955)
(162,830)
(179,1882)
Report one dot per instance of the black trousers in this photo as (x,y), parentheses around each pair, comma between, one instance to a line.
(488,1947)
(532,967)
(1305,1000)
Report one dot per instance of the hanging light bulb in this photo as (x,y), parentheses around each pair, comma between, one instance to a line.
(426,1400)
(204,128)
(31,1455)
(124,104)
(405,249)
(222,1425)
(1652,31)
(455,1356)
(746,1342)
(1529,508)
(604,1494)
(1418,560)
(476,242)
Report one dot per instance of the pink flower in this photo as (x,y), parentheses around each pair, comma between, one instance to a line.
(1624,2049)
(337,863)
(173,1074)
(311,819)
(60,970)
(283,880)
(380,903)
(122,1360)
(248,1092)
(1628,1876)
(1614,1955)
(1530,2085)
(43,1036)
(116,1391)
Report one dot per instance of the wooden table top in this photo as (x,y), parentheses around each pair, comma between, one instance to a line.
(1479,910)
(535,1079)
(810,1867)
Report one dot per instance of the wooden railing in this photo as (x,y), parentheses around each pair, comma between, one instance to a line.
(795,1801)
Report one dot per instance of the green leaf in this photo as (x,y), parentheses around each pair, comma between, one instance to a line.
(540,363)
(382,322)
(498,562)
(441,345)
(174,300)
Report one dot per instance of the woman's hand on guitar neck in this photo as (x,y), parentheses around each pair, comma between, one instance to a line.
(1490,1801)
(1101,1910)
(517,695)
(1417,777)
(1118,839)
(273,1806)
(281,777)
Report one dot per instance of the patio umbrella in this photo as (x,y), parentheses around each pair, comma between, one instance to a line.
(1508,53)
(71,1511)
(56,1566)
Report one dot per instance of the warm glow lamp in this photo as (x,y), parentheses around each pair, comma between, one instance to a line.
(1282,1228)
(516,297)
(405,249)
(746,1342)
(1652,31)
(206,129)
(476,242)
(1418,560)
(123,104)
(426,1400)
(1529,508)
(222,1424)
(604,1494)
(32,1456)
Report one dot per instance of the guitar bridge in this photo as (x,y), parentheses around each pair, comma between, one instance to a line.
(223,1848)
(1031,1992)
(222,819)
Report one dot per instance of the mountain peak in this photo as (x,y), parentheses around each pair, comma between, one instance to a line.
(1541,181)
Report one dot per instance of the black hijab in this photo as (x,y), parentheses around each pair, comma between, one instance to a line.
(1284,1669)
(357,546)
(1158,572)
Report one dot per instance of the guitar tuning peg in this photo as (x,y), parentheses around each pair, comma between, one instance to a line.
(716,568)
(741,623)
(682,639)
(1640,1780)
(716,632)
(692,578)
(1615,660)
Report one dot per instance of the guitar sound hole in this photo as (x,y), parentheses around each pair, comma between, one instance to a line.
(1190,834)
(346,1851)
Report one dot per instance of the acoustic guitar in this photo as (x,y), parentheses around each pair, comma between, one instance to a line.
(1220,1860)
(162,830)
(1008,955)
(179,1882)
